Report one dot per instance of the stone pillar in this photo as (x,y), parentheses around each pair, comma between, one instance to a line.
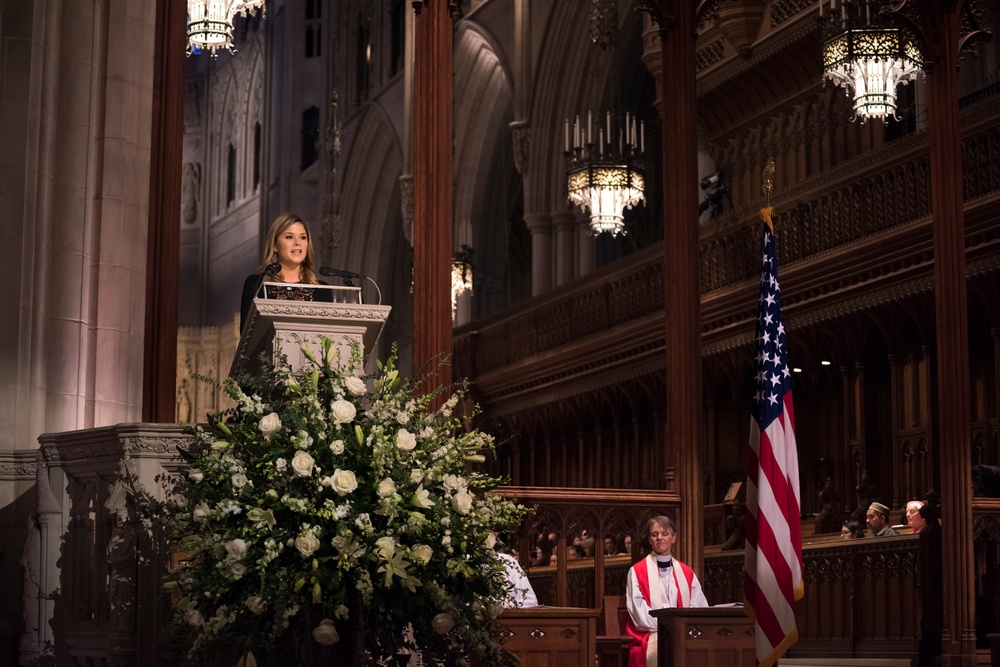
(586,251)
(676,23)
(75,172)
(540,226)
(432,191)
(564,223)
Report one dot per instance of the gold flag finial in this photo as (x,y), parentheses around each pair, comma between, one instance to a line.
(767,188)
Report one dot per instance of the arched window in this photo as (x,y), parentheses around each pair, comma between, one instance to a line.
(314,26)
(363,55)
(397,19)
(310,135)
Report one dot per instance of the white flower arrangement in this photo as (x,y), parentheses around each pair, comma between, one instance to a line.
(332,510)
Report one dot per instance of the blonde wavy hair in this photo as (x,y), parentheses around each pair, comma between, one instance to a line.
(307,273)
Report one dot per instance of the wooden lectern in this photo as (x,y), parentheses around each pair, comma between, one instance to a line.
(274,327)
(704,637)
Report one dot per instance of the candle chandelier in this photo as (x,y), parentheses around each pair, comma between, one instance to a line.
(867,54)
(605,171)
(210,23)
(461,275)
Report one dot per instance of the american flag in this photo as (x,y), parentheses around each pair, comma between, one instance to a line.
(772,578)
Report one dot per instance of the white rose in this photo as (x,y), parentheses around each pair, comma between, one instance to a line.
(462,502)
(280,464)
(416,475)
(270,424)
(201,511)
(491,540)
(326,633)
(337,447)
(454,483)
(421,554)
(302,464)
(307,544)
(194,618)
(385,546)
(406,440)
(386,488)
(237,548)
(342,411)
(341,481)
(355,385)
(442,623)
(180,501)
(256,604)
(239,480)
(195,475)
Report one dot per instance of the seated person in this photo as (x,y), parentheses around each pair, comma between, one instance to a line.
(657,582)
(851,530)
(878,520)
(546,544)
(611,547)
(913,517)
(288,258)
(586,541)
(519,592)
(575,552)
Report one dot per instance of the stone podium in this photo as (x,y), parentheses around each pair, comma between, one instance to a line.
(276,327)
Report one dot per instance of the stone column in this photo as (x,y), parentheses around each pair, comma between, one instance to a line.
(540,226)
(564,223)
(586,251)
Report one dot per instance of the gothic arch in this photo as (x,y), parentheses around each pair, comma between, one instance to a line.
(484,167)
(370,208)
(252,106)
(372,241)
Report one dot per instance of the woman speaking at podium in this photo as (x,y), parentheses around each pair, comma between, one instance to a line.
(288,258)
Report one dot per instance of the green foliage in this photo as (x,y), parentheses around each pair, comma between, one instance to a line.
(329,508)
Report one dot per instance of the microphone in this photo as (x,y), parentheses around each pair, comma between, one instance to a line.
(339,273)
(272,268)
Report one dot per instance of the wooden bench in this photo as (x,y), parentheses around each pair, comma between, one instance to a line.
(612,642)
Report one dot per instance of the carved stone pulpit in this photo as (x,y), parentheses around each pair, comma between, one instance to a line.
(276,327)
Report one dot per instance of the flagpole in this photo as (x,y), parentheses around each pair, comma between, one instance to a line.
(773,558)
